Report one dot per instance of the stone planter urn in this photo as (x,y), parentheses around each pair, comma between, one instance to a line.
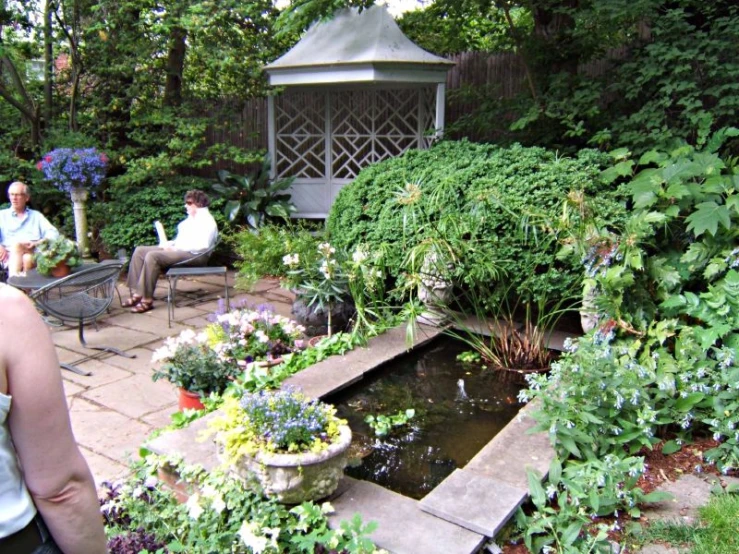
(315,319)
(295,478)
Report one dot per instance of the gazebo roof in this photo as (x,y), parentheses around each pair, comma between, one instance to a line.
(353,47)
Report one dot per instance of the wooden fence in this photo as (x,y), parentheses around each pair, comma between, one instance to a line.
(502,74)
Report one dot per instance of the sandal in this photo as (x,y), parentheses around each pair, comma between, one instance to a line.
(142,307)
(131,302)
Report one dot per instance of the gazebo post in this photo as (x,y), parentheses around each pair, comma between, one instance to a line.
(271,136)
(440,106)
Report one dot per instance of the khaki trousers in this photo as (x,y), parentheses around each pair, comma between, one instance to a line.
(147,264)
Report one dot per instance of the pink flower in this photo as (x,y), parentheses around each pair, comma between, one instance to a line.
(39,166)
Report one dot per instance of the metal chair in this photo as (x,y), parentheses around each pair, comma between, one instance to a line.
(81,297)
(192,267)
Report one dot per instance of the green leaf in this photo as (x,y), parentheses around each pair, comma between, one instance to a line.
(570,445)
(572,533)
(707,217)
(670,447)
(657,496)
(231,209)
(652,156)
(555,471)
(686,403)
(538,496)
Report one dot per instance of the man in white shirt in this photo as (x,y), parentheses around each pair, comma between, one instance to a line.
(196,233)
(21,228)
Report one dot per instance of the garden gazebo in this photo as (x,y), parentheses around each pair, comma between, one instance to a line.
(357,91)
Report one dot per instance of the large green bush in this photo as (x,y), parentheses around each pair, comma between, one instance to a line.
(126,219)
(482,195)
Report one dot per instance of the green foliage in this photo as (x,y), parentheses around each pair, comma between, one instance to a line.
(662,361)
(188,362)
(383,424)
(50,253)
(472,199)
(262,254)
(223,516)
(126,219)
(255,197)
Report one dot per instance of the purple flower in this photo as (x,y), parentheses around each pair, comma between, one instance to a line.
(70,168)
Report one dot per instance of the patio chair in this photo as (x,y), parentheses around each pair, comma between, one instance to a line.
(81,298)
(195,266)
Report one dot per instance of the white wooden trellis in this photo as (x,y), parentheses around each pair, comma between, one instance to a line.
(324,138)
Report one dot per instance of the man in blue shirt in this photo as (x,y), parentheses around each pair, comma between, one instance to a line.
(21,228)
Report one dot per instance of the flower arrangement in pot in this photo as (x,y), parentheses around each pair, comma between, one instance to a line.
(56,257)
(244,336)
(283,444)
(189,362)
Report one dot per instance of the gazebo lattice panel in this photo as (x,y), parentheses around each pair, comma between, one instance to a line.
(354,127)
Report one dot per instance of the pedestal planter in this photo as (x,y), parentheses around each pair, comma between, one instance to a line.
(189,401)
(295,478)
(79,200)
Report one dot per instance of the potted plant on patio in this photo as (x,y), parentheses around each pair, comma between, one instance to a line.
(189,362)
(283,444)
(323,299)
(56,257)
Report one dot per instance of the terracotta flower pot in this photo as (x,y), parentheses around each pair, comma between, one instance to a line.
(61,270)
(190,401)
(295,478)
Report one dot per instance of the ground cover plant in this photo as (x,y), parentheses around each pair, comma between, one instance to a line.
(661,364)
(220,515)
(466,193)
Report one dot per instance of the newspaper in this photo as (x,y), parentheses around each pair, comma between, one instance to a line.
(161,234)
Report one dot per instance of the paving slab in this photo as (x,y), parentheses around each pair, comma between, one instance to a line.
(102,374)
(71,388)
(189,442)
(513,450)
(474,501)
(161,418)
(103,468)
(156,326)
(106,432)
(690,493)
(143,396)
(108,335)
(140,364)
(402,527)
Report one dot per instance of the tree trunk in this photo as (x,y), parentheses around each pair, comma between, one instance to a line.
(175,67)
(48,62)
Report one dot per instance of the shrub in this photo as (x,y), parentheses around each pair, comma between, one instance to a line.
(126,219)
(479,193)
(261,253)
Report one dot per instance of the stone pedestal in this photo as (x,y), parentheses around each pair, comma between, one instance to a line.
(79,206)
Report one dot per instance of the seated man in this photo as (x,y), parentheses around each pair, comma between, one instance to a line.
(21,228)
(196,233)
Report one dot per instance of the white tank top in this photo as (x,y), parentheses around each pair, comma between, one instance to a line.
(16,506)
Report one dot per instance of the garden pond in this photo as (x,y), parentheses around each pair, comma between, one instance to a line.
(458,408)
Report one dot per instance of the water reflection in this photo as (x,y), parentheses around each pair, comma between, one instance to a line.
(459,408)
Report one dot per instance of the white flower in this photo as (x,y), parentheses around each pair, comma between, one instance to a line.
(248,536)
(327,508)
(291,260)
(194,509)
(261,336)
(359,256)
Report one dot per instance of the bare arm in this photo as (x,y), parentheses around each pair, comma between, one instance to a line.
(56,474)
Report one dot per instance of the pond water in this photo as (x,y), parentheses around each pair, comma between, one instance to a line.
(459,408)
